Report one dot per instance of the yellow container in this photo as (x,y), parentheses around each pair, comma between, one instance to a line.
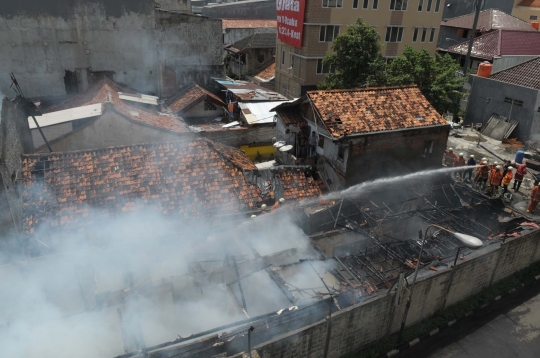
(258,152)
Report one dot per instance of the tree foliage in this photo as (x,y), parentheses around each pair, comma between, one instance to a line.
(436,76)
(355,58)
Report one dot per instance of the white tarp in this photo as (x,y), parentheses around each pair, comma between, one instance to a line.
(259,112)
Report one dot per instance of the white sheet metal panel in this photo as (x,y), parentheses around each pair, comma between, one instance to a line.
(140,98)
(67,115)
(259,112)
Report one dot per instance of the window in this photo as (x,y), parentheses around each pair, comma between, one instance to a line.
(420,4)
(437,5)
(332,3)
(321,141)
(328,33)
(398,5)
(513,101)
(394,34)
(432,35)
(366,4)
(322,68)
(292,61)
(355,4)
(429,2)
(424,33)
(260,58)
(341,153)
(428,147)
(375,4)
(415,35)
(533,17)
(282,57)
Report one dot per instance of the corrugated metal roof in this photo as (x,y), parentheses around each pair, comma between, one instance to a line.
(259,112)
(66,115)
(488,20)
(140,98)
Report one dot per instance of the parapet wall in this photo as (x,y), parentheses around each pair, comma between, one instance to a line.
(369,321)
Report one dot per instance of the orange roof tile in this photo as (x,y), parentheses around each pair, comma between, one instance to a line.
(268,72)
(245,24)
(100,92)
(189,179)
(190,96)
(298,184)
(365,110)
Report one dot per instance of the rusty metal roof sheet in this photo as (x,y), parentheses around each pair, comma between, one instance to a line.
(491,19)
(367,110)
(247,24)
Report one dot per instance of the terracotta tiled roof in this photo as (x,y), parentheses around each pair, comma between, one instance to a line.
(107,90)
(500,43)
(247,24)
(187,179)
(290,115)
(526,74)
(268,73)
(189,97)
(264,40)
(355,111)
(298,184)
(530,3)
(491,19)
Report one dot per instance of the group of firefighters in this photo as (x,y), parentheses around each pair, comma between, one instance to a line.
(492,175)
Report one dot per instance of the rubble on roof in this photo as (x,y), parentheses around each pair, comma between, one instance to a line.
(367,110)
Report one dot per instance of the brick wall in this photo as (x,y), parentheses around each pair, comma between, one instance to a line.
(241,136)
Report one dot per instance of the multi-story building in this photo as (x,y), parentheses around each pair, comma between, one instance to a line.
(398,22)
(528,10)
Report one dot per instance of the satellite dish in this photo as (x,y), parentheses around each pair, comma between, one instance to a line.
(286,148)
(279,144)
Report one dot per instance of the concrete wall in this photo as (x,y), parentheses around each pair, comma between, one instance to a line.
(89,37)
(249,9)
(241,136)
(371,320)
(231,36)
(479,111)
(199,111)
(15,140)
(51,133)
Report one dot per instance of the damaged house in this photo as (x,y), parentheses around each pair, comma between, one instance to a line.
(366,133)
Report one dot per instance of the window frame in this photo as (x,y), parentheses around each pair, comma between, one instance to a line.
(437,5)
(334,34)
(429,5)
(415,34)
(338,2)
(420,5)
(399,34)
(432,34)
(533,16)
(341,153)
(321,66)
(365,4)
(282,57)
(403,5)
(375,5)
(423,37)
(355,4)
(292,62)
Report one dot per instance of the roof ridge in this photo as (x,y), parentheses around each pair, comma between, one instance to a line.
(514,66)
(363,89)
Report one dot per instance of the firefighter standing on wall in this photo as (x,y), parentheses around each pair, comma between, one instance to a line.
(478,176)
(520,174)
(507,179)
(535,198)
(495,179)
(460,162)
(449,157)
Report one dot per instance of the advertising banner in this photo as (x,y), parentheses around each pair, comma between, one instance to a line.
(290,21)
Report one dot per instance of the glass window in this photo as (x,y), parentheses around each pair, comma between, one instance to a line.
(328,33)
(394,34)
(332,3)
(282,57)
(420,4)
(375,4)
(432,35)
(341,153)
(533,17)
(398,5)
(424,33)
(415,35)
(366,4)
(292,60)
(429,5)
(437,5)
(323,68)
(355,4)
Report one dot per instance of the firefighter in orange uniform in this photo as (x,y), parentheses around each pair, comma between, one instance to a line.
(460,162)
(495,179)
(520,174)
(535,198)
(449,157)
(277,204)
(507,179)
(478,170)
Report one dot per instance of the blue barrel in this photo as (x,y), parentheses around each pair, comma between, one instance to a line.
(519,156)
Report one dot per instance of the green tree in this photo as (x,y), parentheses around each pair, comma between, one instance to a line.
(436,76)
(355,58)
